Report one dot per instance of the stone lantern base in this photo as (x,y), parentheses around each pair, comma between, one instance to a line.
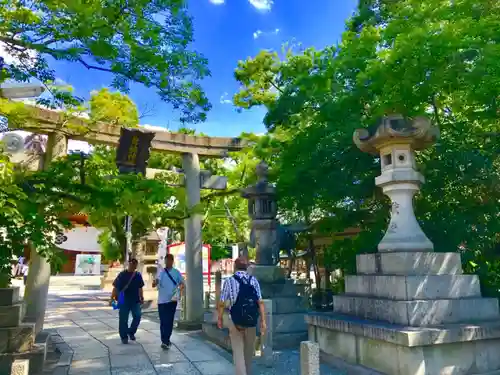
(289,305)
(411,313)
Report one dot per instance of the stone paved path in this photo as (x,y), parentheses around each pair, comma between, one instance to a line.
(88,327)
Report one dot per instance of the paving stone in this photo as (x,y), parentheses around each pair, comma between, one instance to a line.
(126,360)
(202,355)
(133,371)
(215,367)
(162,356)
(89,366)
(89,354)
(182,368)
(130,349)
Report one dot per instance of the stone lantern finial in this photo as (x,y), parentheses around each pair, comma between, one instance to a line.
(262,171)
(396,139)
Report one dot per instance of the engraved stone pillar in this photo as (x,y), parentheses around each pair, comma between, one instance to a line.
(309,358)
(193,241)
(37,286)
(267,338)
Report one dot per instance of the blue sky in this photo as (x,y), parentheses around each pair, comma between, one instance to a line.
(227,31)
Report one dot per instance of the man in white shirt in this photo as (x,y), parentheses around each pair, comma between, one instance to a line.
(170,284)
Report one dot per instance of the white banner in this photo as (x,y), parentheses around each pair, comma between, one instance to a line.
(162,248)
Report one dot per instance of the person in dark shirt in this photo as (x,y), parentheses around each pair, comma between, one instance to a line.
(129,282)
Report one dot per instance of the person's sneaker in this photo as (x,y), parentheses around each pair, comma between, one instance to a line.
(169,345)
(124,341)
(132,336)
(164,346)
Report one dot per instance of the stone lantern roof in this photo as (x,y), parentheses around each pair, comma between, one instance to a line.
(418,132)
(262,187)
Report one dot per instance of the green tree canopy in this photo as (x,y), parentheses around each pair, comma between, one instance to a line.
(436,58)
(136,41)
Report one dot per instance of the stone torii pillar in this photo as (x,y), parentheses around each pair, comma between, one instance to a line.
(194,246)
(37,286)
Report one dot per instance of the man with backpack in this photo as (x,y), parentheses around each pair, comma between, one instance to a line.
(127,291)
(170,284)
(242,297)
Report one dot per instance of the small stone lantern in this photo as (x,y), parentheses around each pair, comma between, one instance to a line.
(262,209)
(396,139)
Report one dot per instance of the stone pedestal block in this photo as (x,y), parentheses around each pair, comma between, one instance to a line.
(373,348)
(109,277)
(418,313)
(407,288)
(409,263)
(267,274)
(11,316)
(9,296)
(410,313)
(19,352)
(289,305)
(283,289)
(14,366)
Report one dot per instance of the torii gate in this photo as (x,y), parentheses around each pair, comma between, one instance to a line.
(191,147)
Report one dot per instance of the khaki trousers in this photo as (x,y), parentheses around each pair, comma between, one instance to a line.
(243,345)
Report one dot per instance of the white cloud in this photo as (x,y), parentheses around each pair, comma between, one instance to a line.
(257,34)
(262,5)
(217,2)
(154,128)
(224,99)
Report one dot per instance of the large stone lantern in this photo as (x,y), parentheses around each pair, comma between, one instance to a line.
(408,310)
(396,139)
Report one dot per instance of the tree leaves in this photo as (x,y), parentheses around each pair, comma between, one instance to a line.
(136,41)
(436,58)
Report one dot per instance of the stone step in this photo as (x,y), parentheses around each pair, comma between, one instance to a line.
(409,263)
(284,289)
(18,338)
(11,315)
(9,296)
(289,323)
(280,340)
(216,335)
(406,288)
(358,346)
(418,312)
(282,323)
(291,304)
(25,363)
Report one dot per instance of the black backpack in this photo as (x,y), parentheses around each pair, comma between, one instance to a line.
(245,311)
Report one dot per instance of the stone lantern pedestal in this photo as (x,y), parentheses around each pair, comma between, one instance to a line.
(287,300)
(409,310)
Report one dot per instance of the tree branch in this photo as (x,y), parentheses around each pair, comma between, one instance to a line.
(220,194)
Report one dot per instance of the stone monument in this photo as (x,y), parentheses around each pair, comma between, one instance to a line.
(22,351)
(289,302)
(409,310)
